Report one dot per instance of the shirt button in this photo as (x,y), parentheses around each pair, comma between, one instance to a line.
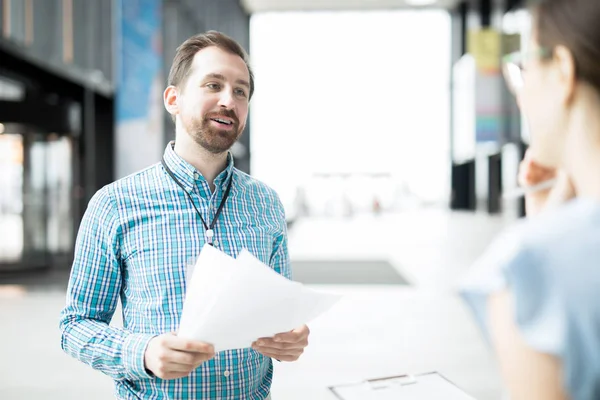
(226,374)
(216,242)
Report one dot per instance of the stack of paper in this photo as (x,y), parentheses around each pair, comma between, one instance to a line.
(232,302)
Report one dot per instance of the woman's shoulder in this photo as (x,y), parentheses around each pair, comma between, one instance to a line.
(561,226)
(551,266)
(564,243)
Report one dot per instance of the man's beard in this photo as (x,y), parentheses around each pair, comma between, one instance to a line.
(214,140)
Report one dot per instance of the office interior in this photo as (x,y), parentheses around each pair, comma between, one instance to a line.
(384,125)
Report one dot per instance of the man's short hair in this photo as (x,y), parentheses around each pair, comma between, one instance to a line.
(184,55)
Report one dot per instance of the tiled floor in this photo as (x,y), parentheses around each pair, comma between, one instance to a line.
(375,330)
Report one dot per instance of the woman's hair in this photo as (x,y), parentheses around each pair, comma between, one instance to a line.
(574,24)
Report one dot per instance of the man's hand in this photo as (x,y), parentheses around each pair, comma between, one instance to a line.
(287,346)
(170,357)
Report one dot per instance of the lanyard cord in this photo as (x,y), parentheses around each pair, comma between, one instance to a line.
(209,233)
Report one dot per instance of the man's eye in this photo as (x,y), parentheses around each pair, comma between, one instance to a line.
(213,86)
(240,92)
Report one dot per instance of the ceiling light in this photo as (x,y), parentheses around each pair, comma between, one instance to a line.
(420,2)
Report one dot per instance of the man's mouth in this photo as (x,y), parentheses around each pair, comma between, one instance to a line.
(225,121)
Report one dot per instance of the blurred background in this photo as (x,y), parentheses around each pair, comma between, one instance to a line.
(384,125)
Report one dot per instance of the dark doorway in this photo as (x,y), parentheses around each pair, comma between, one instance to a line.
(36,197)
(56,151)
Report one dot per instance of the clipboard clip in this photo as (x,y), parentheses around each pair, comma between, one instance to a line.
(391,381)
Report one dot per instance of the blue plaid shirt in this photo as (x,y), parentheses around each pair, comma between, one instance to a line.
(135,240)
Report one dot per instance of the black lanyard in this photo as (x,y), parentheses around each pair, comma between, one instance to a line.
(209,233)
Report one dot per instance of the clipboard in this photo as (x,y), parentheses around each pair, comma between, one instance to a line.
(427,386)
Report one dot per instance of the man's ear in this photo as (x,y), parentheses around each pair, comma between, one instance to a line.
(170,98)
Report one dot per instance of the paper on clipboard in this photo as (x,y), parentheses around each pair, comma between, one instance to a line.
(406,387)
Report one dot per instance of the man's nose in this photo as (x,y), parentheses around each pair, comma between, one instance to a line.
(226,100)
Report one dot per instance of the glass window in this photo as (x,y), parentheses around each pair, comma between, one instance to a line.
(359,93)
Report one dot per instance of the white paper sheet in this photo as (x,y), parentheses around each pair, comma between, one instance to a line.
(232,302)
(427,387)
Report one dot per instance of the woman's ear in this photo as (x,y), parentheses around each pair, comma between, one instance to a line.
(565,72)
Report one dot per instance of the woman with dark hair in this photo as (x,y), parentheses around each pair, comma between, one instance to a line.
(535,291)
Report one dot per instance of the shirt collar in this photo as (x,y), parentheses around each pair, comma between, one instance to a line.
(188,175)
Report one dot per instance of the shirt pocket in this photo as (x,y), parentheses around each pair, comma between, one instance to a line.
(254,234)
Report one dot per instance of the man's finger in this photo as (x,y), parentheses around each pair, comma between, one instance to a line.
(175,375)
(200,358)
(270,343)
(176,343)
(277,353)
(283,357)
(288,337)
(179,357)
(169,369)
(279,347)
(174,368)
(295,336)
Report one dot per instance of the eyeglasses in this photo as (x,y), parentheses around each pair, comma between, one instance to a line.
(512,66)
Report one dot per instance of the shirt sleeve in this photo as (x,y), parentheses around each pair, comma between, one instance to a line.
(280,258)
(510,265)
(550,313)
(92,296)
